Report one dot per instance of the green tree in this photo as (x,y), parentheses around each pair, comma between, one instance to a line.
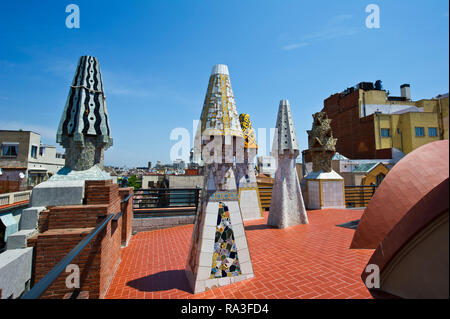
(133,181)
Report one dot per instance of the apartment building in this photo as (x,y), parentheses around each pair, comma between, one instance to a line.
(25,161)
(370,123)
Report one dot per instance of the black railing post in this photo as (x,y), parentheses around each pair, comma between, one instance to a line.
(197,195)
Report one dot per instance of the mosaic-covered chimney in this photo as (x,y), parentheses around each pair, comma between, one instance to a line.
(286,207)
(219,118)
(287,139)
(218,254)
(248,132)
(245,173)
(322,145)
(84,129)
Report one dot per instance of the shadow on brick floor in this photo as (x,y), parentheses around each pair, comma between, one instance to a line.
(161,281)
(259,227)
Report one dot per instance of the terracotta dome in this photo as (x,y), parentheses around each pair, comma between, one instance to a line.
(409,181)
(416,247)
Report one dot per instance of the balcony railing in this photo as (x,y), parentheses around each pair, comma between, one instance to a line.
(157,202)
(359,196)
(265,196)
(14,198)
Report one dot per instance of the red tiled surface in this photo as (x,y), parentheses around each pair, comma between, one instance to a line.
(305,261)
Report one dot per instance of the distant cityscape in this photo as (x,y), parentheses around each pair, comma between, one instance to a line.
(383,129)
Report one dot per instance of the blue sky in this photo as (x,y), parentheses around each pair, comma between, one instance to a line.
(156,58)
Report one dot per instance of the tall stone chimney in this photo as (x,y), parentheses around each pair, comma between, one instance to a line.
(219,253)
(84,127)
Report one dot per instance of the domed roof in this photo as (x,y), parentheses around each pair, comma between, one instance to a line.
(407,183)
(409,250)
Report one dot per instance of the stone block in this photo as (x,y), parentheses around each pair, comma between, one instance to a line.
(246,268)
(203,272)
(207,246)
(18,240)
(224,281)
(58,193)
(15,271)
(30,217)
(209,232)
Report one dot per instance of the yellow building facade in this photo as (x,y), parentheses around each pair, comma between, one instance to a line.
(375,175)
(397,126)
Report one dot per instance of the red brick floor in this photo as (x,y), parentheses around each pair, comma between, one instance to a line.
(305,261)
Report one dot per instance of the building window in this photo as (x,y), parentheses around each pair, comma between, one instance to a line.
(380,178)
(41,151)
(34,151)
(10,150)
(420,131)
(385,132)
(432,131)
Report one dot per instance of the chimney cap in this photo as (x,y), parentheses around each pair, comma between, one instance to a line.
(220,69)
(284,102)
(405,85)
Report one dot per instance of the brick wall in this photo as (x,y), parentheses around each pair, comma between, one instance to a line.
(355,136)
(127,218)
(61,228)
(101,192)
(53,245)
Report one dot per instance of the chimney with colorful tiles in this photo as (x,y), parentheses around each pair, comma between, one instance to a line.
(219,253)
(245,173)
(287,207)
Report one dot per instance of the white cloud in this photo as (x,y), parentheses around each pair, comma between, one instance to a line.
(114,85)
(61,67)
(294,46)
(332,30)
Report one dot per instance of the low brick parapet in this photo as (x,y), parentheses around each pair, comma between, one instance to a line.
(61,228)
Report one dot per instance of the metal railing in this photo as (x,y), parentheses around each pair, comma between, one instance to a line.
(359,196)
(165,201)
(265,196)
(53,274)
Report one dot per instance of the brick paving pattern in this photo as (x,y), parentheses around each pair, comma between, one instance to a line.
(304,261)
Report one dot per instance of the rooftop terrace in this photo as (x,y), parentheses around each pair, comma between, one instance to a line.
(304,261)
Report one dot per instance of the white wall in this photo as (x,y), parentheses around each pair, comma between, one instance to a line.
(186,181)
